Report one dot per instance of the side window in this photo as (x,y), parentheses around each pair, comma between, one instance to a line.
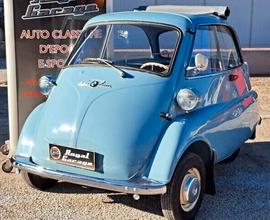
(214,42)
(168,43)
(229,52)
(206,44)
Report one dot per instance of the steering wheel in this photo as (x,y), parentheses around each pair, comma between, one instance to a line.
(154,64)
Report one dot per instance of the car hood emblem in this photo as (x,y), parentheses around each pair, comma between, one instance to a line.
(94,83)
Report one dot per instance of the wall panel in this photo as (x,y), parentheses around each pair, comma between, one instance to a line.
(261,24)
(250,18)
(180,2)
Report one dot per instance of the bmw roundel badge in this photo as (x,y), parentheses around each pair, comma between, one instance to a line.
(94,84)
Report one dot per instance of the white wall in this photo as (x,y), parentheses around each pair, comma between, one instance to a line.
(250,18)
(261,24)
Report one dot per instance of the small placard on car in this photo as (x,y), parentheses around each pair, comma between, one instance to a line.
(73,157)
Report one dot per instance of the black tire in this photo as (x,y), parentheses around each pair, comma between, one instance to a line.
(7,166)
(232,157)
(253,136)
(170,201)
(38,182)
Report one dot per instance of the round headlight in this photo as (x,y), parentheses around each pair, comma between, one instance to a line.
(45,85)
(187,99)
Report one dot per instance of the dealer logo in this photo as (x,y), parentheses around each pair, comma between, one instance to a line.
(36,10)
(55,153)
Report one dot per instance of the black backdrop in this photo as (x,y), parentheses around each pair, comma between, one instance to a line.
(45,32)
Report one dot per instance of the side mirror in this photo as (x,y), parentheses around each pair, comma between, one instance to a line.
(123,34)
(201,63)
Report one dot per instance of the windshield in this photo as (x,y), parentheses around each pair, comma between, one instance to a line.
(140,46)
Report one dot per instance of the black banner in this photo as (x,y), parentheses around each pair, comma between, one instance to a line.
(45,32)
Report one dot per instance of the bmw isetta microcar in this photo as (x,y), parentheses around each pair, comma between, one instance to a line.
(148,102)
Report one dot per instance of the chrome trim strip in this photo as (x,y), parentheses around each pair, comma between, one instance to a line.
(140,186)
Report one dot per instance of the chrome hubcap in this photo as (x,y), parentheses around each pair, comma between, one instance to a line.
(190,189)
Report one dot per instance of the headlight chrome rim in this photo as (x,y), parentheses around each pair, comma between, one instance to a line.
(45,85)
(187,99)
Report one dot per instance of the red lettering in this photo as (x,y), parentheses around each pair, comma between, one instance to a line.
(31,82)
(36,94)
(51,63)
(41,64)
(35,34)
(53,48)
(70,34)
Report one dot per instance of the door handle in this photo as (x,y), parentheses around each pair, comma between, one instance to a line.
(166,116)
(233,77)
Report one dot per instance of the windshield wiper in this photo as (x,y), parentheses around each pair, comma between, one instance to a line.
(108,63)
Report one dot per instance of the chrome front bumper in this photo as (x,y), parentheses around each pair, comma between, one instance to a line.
(141,186)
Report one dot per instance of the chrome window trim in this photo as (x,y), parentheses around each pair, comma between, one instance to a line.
(219,73)
(173,59)
(236,43)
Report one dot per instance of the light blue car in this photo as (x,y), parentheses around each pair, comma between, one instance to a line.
(148,102)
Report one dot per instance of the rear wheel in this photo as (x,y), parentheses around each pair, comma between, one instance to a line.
(38,182)
(185,192)
(253,136)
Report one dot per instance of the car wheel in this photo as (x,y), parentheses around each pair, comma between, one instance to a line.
(185,191)
(232,157)
(38,182)
(7,166)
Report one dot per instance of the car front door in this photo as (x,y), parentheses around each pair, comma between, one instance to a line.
(223,87)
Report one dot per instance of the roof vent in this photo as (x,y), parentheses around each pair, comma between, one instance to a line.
(221,11)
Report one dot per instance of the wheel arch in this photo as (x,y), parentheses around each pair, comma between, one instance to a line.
(200,148)
(166,159)
(26,139)
(208,155)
